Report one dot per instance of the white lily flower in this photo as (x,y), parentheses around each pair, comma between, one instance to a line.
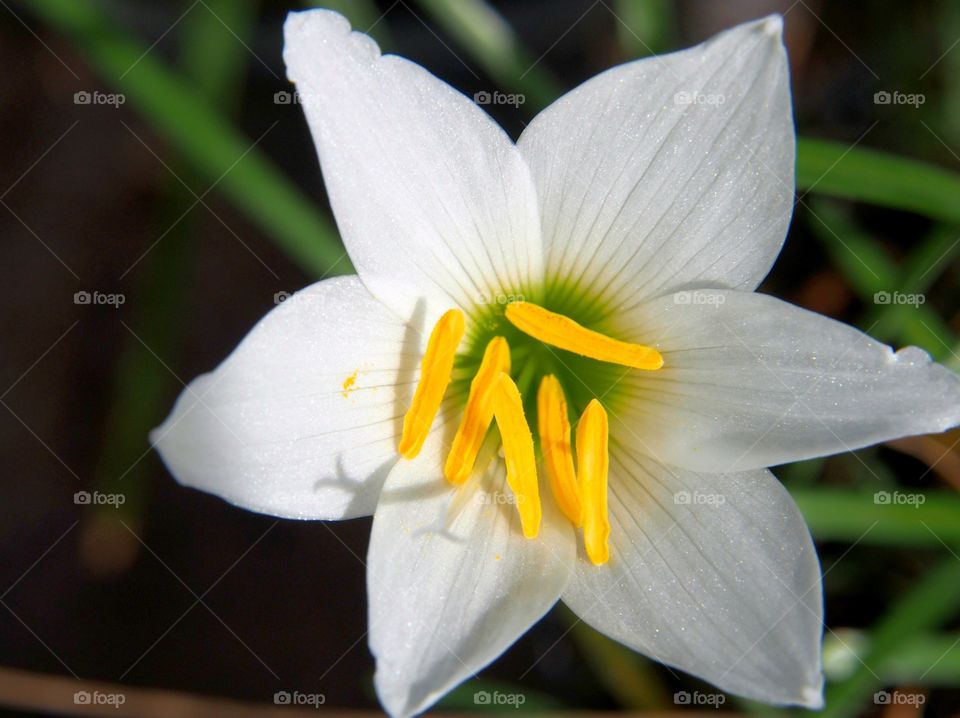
(598,273)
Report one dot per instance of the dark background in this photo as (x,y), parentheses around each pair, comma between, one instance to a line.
(178,590)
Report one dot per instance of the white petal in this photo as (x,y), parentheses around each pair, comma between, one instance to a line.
(713,574)
(751,381)
(642,193)
(426,188)
(445,603)
(302,419)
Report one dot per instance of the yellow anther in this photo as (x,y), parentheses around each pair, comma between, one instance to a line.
(592,467)
(554,426)
(518,453)
(435,370)
(564,333)
(479,412)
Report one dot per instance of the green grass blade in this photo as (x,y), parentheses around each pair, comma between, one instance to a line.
(933,600)
(928,261)
(483,33)
(143,384)
(213,48)
(644,27)
(213,147)
(627,676)
(877,177)
(853,251)
(924,660)
(869,271)
(853,515)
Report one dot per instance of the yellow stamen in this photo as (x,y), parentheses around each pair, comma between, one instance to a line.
(348,383)
(479,412)
(564,333)
(518,453)
(554,429)
(435,370)
(592,466)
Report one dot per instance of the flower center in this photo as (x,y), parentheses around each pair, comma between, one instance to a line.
(581,491)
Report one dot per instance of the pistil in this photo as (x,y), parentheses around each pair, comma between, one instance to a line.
(554,428)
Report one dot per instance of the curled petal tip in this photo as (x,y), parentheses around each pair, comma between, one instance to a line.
(772,25)
(812,696)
